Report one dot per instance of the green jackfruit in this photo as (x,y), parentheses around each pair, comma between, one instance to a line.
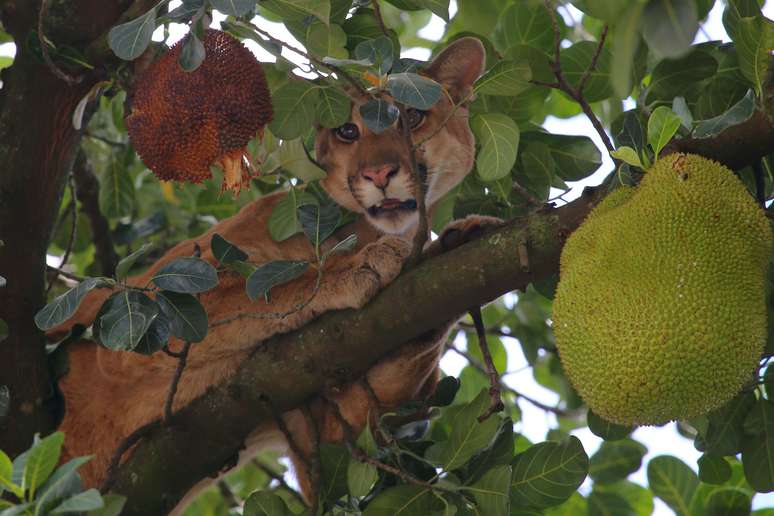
(660,311)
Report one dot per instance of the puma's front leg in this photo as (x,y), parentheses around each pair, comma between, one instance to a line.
(352,283)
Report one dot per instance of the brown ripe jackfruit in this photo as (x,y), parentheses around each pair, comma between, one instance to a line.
(182,122)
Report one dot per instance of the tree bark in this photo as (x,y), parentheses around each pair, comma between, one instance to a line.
(37,148)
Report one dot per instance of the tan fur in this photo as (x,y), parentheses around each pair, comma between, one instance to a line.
(109,394)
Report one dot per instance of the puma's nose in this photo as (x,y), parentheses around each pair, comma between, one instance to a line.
(381,174)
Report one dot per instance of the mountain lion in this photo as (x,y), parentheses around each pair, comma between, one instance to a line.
(109,394)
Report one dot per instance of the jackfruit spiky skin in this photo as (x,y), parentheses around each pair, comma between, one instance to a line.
(182,122)
(660,312)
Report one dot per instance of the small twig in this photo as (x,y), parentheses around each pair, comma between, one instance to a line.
(169,352)
(379,18)
(71,239)
(524,193)
(576,93)
(115,459)
(362,456)
(69,79)
(181,361)
(105,140)
(87,192)
(496,404)
(593,64)
(479,367)
(60,272)
(315,469)
(275,315)
(319,63)
(490,331)
(292,444)
(280,479)
(228,495)
(422,227)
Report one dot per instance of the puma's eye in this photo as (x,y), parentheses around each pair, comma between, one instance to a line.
(347,133)
(415,117)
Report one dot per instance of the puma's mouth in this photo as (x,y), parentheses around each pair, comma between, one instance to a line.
(390,205)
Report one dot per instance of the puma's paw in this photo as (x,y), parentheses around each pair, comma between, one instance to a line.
(464,230)
(385,257)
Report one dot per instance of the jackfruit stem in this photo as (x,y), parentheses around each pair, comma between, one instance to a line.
(235,172)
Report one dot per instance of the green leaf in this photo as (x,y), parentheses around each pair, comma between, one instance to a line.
(114,504)
(129,40)
(523,23)
(739,112)
(758,446)
(345,246)
(64,482)
(725,426)
(193,53)
(123,320)
(754,43)
(319,221)
(498,136)
(414,90)
(265,503)
(62,307)
(662,126)
(445,391)
(155,337)
(185,11)
(673,481)
(294,106)
(605,429)
(437,7)
(187,275)
(615,460)
(491,491)
(362,476)
(499,453)
(283,222)
(609,503)
(627,155)
(292,157)
(334,460)
(626,40)
(333,108)
(576,157)
(467,437)
(6,476)
(38,463)
(536,169)
(125,265)
(116,192)
(404,500)
(379,114)
(669,26)
(326,40)
(224,251)
(713,469)
(548,473)
(507,77)
(577,59)
(233,7)
(378,51)
(681,109)
(728,502)
(737,9)
(297,10)
(678,77)
(85,501)
(186,315)
(272,274)
(638,498)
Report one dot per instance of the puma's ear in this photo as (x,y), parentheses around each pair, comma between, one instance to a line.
(458,66)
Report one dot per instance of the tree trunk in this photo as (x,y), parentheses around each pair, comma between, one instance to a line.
(37,150)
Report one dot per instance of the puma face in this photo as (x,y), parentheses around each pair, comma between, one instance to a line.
(371,173)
